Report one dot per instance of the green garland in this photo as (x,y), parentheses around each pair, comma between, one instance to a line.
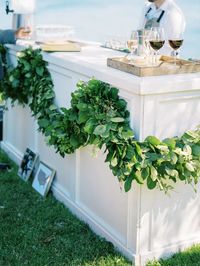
(99,117)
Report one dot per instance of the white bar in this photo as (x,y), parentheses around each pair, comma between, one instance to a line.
(141,223)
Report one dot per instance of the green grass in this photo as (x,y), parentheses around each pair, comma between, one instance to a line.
(38,231)
(190,257)
(41,232)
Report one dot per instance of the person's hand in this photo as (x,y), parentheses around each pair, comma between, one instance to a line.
(22,32)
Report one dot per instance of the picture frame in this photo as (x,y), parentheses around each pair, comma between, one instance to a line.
(27,164)
(43,179)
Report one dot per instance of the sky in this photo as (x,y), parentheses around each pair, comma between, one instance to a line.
(98,19)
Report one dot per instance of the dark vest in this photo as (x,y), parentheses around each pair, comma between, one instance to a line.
(153,22)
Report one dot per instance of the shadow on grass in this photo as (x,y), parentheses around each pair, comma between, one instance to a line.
(38,231)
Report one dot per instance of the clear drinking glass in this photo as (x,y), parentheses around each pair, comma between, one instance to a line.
(147,47)
(175,43)
(156,41)
(132,44)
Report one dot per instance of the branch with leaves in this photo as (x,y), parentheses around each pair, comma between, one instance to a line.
(98,116)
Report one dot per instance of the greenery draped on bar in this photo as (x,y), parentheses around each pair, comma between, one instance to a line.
(98,116)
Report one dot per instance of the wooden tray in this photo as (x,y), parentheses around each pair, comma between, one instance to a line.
(60,47)
(165,66)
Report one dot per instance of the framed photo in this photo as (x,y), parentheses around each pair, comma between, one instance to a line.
(43,179)
(27,164)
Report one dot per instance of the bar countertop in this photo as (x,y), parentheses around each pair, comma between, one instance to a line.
(92,62)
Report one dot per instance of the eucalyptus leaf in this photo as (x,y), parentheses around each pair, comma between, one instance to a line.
(122,104)
(117,119)
(100,129)
(170,142)
(189,167)
(114,162)
(74,141)
(110,155)
(138,177)
(138,149)
(145,173)
(150,183)
(196,150)
(27,66)
(43,123)
(82,106)
(128,183)
(172,172)
(40,71)
(83,117)
(53,107)
(154,173)
(89,126)
(153,140)
(127,134)
(130,152)
(114,93)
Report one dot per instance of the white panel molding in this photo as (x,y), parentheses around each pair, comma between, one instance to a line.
(12,152)
(96,225)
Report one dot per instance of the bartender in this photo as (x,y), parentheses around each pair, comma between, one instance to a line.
(165,14)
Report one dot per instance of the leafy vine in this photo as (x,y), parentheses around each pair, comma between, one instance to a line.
(99,117)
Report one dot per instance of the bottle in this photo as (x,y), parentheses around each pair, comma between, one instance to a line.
(140,49)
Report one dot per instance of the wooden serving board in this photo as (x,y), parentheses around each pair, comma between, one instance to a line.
(165,66)
(60,47)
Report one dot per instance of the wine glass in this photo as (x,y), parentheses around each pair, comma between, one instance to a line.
(132,43)
(156,41)
(175,43)
(147,47)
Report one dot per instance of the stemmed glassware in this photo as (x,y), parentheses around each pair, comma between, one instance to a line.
(175,43)
(156,41)
(132,43)
(147,47)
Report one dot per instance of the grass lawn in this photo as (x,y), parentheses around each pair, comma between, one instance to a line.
(190,257)
(41,232)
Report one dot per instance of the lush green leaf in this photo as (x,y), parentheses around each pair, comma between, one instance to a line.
(150,183)
(100,129)
(83,117)
(127,134)
(138,177)
(43,123)
(196,150)
(74,141)
(154,173)
(153,140)
(128,183)
(82,106)
(145,173)
(117,119)
(40,71)
(114,162)
(89,126)
(189,167)
(170,142)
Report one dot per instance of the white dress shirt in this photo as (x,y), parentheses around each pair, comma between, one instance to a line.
(172,21)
